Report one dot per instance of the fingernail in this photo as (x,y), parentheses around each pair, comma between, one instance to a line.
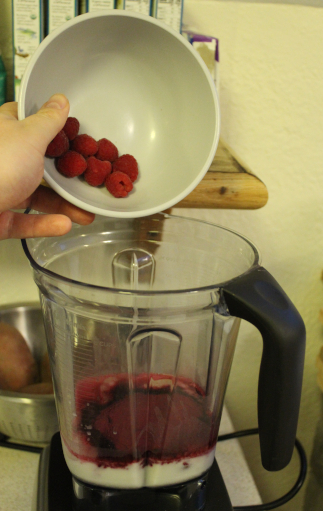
(58,101)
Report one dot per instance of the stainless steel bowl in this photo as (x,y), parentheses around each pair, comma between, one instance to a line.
(27,417)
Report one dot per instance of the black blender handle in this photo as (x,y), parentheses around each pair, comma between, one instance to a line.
(259,299)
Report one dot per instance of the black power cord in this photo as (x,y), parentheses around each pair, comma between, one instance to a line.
(292,492)
(237,434)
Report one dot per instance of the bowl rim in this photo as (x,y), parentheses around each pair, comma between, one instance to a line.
(151,20)
(18,305)
(22,397)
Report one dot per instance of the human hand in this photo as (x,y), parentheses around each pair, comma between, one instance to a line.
(22,148)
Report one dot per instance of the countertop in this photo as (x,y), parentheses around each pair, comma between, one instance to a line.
(18,474)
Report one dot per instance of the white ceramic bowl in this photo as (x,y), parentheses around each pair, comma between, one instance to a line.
(132,79)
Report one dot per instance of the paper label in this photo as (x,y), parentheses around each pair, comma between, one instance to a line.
(170,12)
(99,5)
(142,6)
(60,11)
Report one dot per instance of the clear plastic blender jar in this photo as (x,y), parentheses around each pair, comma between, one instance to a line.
(142,318)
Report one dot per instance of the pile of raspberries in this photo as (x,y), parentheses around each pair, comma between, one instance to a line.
(97,161)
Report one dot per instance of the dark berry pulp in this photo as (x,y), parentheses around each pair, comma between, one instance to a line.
(151,418)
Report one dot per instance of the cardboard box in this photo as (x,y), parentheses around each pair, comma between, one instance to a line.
(208,48)
(27,34)
(58,12)
(99,5)
(141,6)
(170,12)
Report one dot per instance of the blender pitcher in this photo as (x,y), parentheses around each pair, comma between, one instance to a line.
(141,318)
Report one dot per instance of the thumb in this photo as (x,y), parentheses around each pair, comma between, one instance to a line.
(42,127)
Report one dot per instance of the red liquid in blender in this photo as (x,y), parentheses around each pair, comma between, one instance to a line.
(146,421)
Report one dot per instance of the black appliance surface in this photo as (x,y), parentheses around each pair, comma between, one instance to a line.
(55,491)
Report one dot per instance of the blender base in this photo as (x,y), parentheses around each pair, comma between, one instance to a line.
(59,491)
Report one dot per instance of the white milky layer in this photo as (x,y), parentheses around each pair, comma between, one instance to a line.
(136,476)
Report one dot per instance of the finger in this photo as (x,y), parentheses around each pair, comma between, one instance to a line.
(47,200)
(47,122)
(10,109)
(19,225)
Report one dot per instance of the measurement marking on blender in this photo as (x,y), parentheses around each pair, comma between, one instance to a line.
(62,334)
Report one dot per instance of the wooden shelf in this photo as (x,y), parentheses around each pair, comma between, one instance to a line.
(228,184)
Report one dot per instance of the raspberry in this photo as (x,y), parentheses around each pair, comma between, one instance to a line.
(71,164)
(119,184)
(97,171)
(128,165)
(85,145)
(58,146)
(71,128)
(107,150)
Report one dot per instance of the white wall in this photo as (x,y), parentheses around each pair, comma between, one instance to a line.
(271,95)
